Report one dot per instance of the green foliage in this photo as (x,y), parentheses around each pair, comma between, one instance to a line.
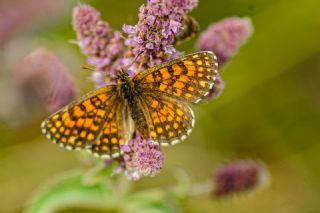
(99,190)
(70,191)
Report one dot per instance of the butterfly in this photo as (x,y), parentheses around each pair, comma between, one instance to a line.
(153,102)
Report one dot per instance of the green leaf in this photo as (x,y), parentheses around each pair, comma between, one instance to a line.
(70,191)
(88,191)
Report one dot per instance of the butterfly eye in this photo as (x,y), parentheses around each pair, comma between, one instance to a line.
(126,91)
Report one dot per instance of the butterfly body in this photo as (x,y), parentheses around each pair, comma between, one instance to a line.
(154,102)
(129,92)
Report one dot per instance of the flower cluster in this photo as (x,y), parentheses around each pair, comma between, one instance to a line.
(149,42)
(13,16)
(225,37)
(239,176)
(154,35)
(47,82)
(141,158)
(97,40)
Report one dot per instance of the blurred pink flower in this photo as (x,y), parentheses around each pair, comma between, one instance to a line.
(14,16)
(41,76)
(239,176)
(225,37)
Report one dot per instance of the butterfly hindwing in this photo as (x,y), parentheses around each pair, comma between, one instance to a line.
(169,120)
(112,134)
(188,79)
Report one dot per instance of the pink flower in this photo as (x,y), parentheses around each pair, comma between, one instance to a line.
(239,176)
(225,37)
(42,76)
(141,158)
(97,40)
(14,16)
(154,34)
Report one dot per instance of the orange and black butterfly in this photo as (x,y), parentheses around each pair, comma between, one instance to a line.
(154,102)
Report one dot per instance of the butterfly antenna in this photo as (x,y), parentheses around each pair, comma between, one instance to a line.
(134,60)
(87,67)
(140,65)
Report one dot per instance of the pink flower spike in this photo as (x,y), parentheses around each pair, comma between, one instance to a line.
(225,37)
(42,75)
(154,34)
(97,40)
(238,177)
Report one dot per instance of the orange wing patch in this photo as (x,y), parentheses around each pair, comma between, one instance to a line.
(169,121)
(112,135)
(79,124)
(189,78)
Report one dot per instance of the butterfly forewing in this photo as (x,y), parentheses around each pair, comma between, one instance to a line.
(79,124)
(188,79)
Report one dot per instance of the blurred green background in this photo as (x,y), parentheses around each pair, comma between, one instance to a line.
(269,110)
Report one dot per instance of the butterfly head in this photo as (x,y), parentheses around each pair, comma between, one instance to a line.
(122,76)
